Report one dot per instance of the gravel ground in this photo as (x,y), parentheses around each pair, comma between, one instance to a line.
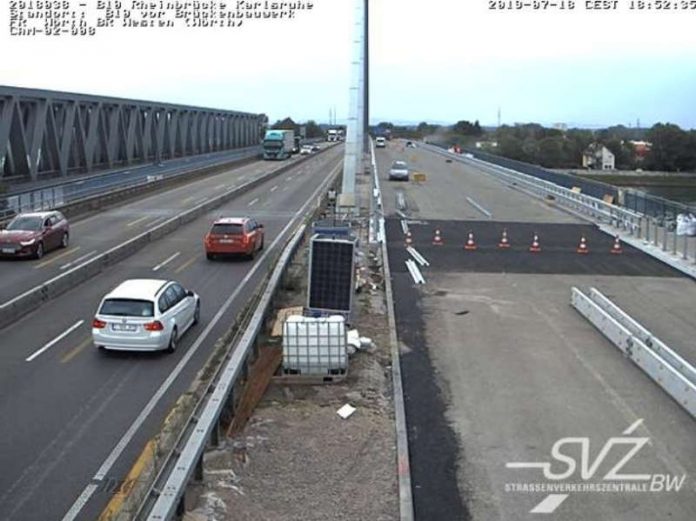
(297,459)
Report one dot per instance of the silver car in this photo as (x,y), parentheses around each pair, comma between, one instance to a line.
(398,170)
(145,315)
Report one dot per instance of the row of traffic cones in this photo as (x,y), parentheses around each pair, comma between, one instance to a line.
(504,243)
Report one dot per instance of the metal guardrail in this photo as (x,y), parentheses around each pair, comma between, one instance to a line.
(54,196)
(204,422)
(417,256)
(669,370)
(208,417)
(416,274)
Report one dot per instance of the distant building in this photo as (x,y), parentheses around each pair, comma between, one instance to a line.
(563,127)
(598,157)
(486,144)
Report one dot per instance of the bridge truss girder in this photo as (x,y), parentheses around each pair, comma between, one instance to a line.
(47,133)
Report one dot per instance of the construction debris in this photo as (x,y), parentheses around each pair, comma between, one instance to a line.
(346,411)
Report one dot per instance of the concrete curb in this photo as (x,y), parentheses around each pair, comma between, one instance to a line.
(35,297)
(406,512)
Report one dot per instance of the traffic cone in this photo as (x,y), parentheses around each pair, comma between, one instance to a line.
(535,247)
(504,243)
(437,240)
(470,242)
(616,249)
(582,247)
(409,240)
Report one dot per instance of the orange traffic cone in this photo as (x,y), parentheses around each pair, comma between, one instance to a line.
(504,243)
(616,249)
(409,240)
(582,247)
(470,243)
(437,240)
(535,247)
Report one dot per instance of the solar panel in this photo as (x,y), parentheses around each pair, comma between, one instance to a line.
(331,267)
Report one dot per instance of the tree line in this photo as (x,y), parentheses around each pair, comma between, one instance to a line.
(672,148)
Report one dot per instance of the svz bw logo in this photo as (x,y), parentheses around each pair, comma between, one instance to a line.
(567,465)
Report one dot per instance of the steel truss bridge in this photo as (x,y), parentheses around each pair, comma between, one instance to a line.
(47,133)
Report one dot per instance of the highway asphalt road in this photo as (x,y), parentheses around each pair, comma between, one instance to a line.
(498,367)
(53,191)
(136,172)
(72,415)
(95,234)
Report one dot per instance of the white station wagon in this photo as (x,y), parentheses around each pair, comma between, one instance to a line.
(145,315)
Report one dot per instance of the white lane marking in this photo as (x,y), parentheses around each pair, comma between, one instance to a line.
(289,178)
(285,189)
(56,340)
(160,218)
(166,261)
(274,188)
(252,203)
(201,200)
(133,223)
(90,489)
(79,259)
(220,186)
(479,207)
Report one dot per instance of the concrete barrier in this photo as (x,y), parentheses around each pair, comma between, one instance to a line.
(37,296)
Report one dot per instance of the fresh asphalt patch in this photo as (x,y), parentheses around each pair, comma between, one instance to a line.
(431,441)
(558,255)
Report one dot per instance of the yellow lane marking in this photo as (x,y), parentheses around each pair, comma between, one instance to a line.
(76,350)
(53,259)
(186,264)
(144,463)
(133,223)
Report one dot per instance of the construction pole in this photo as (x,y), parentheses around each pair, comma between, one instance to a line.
(366,76)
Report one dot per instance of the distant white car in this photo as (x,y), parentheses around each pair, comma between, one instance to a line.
(398,171)
(306,150)
(145,315)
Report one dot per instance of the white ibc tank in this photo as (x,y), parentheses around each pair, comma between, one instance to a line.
(315,346)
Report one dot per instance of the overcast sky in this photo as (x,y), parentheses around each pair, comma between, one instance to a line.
(440,60)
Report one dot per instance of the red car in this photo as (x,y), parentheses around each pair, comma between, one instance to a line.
(33,234)
(234,235)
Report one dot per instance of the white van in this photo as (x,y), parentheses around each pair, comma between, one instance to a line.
(380,142)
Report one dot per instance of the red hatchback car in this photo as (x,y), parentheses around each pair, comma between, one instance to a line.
(33,234)
(234,235)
